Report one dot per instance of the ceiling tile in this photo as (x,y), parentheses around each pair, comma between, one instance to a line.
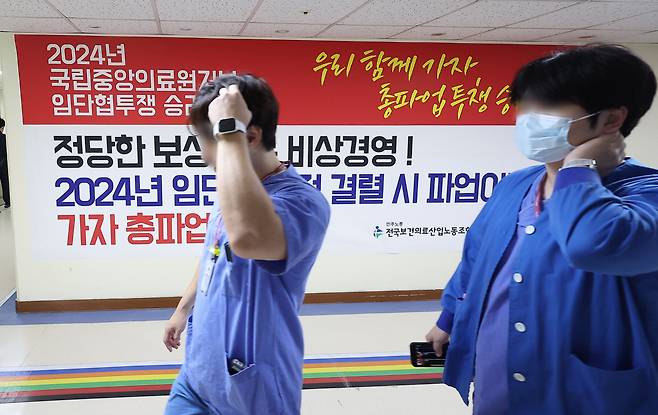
(36,25)
(441,33)
(584,15)
(292,30)
(498,13)
(201,28)
(126,27)
(591,35)
(650,37)
(505,34)
(205,10)
(27,8)
(361,32)
(647,21)
(292,11)
(403,12)
(101,9)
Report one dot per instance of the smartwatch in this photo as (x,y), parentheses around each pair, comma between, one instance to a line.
(228,126)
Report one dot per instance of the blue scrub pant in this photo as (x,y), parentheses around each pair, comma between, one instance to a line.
(184,401)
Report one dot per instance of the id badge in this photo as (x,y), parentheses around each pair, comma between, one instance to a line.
(207,275)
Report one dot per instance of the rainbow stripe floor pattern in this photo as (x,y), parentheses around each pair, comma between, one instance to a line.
(48,384)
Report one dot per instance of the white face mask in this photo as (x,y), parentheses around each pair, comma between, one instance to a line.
(543,137)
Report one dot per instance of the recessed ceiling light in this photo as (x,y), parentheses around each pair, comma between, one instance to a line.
(282,31)
(437,34)
(586,37)
(185,29)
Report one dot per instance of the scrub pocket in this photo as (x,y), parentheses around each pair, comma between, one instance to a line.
(254,391)
(598,391)
(233,278)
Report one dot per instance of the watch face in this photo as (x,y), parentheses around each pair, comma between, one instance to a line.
(227,124)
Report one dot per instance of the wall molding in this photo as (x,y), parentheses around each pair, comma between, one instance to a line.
(170,302)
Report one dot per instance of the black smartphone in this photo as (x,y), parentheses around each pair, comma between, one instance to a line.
(235,367)
(423,355)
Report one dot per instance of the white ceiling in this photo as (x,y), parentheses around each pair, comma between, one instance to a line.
(554,21)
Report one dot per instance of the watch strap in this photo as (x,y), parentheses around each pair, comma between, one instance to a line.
(589,163)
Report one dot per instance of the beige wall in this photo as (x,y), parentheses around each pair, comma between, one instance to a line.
(7,256)
(643,142)
(9,241)
(47,280)
(7,252)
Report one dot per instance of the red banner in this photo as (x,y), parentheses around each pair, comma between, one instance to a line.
(149,80)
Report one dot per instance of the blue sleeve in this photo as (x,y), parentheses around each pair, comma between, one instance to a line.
(445,321)
(455,290)
(305,218)
(599,231)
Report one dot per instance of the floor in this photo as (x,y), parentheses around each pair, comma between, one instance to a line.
(47,343)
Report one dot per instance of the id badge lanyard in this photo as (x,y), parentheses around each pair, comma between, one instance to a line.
(539,198)
(215,251)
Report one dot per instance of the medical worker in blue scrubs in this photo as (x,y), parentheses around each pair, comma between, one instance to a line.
(244,351)
(554,306)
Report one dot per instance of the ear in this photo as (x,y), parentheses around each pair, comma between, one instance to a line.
(254,136)
(613,120)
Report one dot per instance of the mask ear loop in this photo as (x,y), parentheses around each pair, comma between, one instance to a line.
(585,117)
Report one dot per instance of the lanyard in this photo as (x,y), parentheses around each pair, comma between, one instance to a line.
(280,168)
(215,250)
(539,197)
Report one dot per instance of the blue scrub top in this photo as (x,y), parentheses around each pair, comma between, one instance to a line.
(250,311)
(491,395)
(582,330)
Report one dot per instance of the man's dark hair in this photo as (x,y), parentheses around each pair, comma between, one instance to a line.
(259,98)
(596,77)
(2,123)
